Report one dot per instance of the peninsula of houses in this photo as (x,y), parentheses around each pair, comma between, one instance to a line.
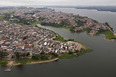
(23,41)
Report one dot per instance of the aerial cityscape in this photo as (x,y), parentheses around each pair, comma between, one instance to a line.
(52,37)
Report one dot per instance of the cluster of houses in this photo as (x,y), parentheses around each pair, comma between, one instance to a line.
(3,11)
(50,16)
(16,38)
(93,26)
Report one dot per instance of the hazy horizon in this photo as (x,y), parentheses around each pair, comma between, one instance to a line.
(58,3)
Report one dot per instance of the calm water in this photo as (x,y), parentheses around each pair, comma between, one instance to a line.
(101,62)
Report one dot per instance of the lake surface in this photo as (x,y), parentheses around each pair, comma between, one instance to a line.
(101,62)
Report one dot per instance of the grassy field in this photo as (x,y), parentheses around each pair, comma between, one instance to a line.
(1,17)
(25,61)
(67,56)
(36,22)
(32,61)
(84,51)
(59,38)
(74,54)
(109,35)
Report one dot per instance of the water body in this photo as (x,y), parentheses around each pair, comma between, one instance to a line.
(101,62)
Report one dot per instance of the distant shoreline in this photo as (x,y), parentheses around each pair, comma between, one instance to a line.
(98,10)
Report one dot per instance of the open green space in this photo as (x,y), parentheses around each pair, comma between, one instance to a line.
(74,54)
(59,38)
(109,35)
(67,56)
(36,22)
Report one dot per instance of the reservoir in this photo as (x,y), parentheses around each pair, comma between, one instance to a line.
(101,62)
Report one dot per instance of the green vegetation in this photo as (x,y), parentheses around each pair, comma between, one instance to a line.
(63,24)
(7,16)
(109,35)
(59,38)
(44,56)
(67,56)
(24,61)
(17,23)
(70,55)
(3,62)
(82,51)
(36,22)
(19,20)
(37,57)
(22,21)
(72,29)
(87,30)
(11,11)
(52,24)
(1,17)
(19,56)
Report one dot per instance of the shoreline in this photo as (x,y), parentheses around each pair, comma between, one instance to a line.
(37,62)
(111,40)
(46,61)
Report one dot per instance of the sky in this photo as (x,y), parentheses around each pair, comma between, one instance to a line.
(58,2)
